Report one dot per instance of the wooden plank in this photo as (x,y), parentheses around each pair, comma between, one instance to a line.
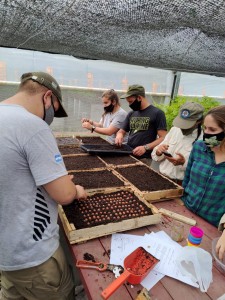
(87,170)
(176,216)
(75,154)
(181,291)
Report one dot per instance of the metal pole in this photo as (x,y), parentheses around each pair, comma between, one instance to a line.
(175,86)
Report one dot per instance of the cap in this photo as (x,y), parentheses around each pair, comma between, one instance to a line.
(50,83)
(134,89)
(189,113)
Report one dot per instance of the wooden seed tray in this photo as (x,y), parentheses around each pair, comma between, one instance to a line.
(71,150)
(92,139)
(67,141)
(83,162)
(98,179)
(119,161)
(79,235)
(148,195)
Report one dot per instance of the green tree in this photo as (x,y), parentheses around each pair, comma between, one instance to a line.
(171,110)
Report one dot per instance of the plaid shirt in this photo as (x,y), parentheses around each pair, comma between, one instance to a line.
(204,184)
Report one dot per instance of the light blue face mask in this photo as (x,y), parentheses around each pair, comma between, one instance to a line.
(49,113)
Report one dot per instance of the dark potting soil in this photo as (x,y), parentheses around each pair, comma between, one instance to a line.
(93,140)
(105,208)
(109,147)
(70,149)
(67,141)
(119,159)
(89,257)
(83,162)
(145,179)
(96,179)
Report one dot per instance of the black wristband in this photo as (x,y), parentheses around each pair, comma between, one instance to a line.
(93,129)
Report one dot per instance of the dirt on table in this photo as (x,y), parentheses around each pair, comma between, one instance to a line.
(86,162)
(70,149)
(105,208)
(67,141)
(119,159)
(93,140)
(96,179)
(145,179)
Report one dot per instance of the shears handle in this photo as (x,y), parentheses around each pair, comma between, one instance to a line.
(86,264)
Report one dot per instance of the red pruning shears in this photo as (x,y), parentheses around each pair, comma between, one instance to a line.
(99,266)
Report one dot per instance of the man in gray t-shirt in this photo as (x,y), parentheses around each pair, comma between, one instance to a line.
(33,181)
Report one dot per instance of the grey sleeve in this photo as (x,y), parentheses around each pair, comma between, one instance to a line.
(119,119)
(43,157)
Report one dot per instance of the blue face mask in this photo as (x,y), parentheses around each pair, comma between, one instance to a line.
(213,140)
(49,113)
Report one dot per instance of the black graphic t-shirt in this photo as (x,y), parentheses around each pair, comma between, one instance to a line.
(143,125)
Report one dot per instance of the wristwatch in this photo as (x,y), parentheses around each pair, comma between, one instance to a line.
(146,147)
(93,129)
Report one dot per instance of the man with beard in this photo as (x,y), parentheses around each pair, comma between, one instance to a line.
(146,124)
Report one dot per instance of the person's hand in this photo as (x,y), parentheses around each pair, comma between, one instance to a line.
(139,151)
(87,125)
(220,246)
(119,139)
(86,120)
(161,148)
(71,177)
(81,194)
(178,161)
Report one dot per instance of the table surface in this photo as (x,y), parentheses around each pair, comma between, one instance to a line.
(166,289)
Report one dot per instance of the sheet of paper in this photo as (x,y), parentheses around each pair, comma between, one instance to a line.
(166,252)
(121,246)
(158,244)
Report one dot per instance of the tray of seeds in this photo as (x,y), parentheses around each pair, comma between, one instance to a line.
(83,162)
(106,212)
(94,140)
(151,185)
(70,150)
(67,140)
(113,161)
(98,179)
(107,149)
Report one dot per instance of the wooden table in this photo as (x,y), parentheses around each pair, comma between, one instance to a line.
(166,289)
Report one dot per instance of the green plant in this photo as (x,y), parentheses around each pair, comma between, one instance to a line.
(171,110)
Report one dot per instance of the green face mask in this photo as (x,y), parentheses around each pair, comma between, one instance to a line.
(213,140)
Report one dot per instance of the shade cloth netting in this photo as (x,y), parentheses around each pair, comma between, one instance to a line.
(180,35)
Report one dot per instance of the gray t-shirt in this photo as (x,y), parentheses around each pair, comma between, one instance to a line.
(115,120)
(28,216)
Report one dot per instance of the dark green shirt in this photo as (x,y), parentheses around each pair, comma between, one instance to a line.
(204,184)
